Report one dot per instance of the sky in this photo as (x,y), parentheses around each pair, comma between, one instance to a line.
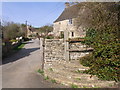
(36,13)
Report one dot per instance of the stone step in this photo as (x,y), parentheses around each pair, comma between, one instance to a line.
(65,72)
(69,66)
(69,80)
(69,74)
(71,69)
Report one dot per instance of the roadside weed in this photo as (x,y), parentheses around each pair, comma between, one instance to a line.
(74,86)
(46,78)
(53,81)
(40,71)
(78,71)
(50,69)
(78,78)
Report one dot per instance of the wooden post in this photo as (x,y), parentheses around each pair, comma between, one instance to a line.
(26,32)
(43,46)
(66,37)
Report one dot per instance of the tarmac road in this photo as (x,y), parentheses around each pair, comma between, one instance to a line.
(20,69)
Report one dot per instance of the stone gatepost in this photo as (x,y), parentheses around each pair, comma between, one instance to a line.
(66,37)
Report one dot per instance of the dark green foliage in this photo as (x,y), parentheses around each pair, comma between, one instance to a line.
(13,40)
(105,60)
(53,81)
(12,30)
(20,46)
(87,60)
(45,29)
(41,71)
(26,39)
(103,36)
(49,37)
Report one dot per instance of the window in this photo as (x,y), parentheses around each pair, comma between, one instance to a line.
(72,34)
(62,34)
(70,21)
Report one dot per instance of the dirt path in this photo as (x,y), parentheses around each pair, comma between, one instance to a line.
(20,70)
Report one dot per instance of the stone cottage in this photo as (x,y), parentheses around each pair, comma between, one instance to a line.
(66,21)
(30,31)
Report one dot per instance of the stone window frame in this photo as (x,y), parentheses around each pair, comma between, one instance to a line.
(72,34)
(71,21)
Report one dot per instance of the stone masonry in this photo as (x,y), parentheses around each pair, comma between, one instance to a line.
(54,50)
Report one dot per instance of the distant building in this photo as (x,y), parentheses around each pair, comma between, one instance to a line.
(31,31)
(66,22)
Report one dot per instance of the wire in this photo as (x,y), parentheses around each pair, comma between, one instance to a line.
(56,9)
(58,5)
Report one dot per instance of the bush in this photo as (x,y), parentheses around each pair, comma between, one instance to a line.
(49,37)
(13,40)
(87,60)
(26,39)
(102,34)
(105,59)
(12,30)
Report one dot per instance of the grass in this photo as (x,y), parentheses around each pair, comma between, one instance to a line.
(74,86)
(53,81)
(40,71)
(46,78)
(90,87)
(19,46)
(50,69)
(85,87)
(95,87)
(78,78)
(3,44)
(78,71)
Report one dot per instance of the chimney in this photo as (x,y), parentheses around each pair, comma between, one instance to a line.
(67,4)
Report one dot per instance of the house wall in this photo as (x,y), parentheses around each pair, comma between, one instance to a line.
(64,25)
(30,32)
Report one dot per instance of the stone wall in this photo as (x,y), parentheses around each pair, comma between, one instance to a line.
(54,50)
(77,54)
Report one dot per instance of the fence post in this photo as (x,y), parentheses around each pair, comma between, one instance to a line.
(66,37)
(42,45)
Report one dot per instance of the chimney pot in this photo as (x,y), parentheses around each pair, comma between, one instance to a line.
(67,4)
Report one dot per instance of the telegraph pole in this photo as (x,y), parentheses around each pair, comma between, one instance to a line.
(26,29)
(1,31)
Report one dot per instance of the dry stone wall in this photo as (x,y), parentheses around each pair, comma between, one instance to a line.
(54,50)
(77,54)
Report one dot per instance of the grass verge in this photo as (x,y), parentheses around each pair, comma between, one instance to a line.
(19,46)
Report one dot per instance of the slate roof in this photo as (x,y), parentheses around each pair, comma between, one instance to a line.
(68,13)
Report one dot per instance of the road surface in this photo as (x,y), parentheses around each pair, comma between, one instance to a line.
(20,69)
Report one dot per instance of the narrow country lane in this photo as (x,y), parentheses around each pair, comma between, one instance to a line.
(20,70)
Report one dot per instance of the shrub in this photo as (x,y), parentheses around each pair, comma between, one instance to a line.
(105,60)
(13,40)
(49,37)
(102,34)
